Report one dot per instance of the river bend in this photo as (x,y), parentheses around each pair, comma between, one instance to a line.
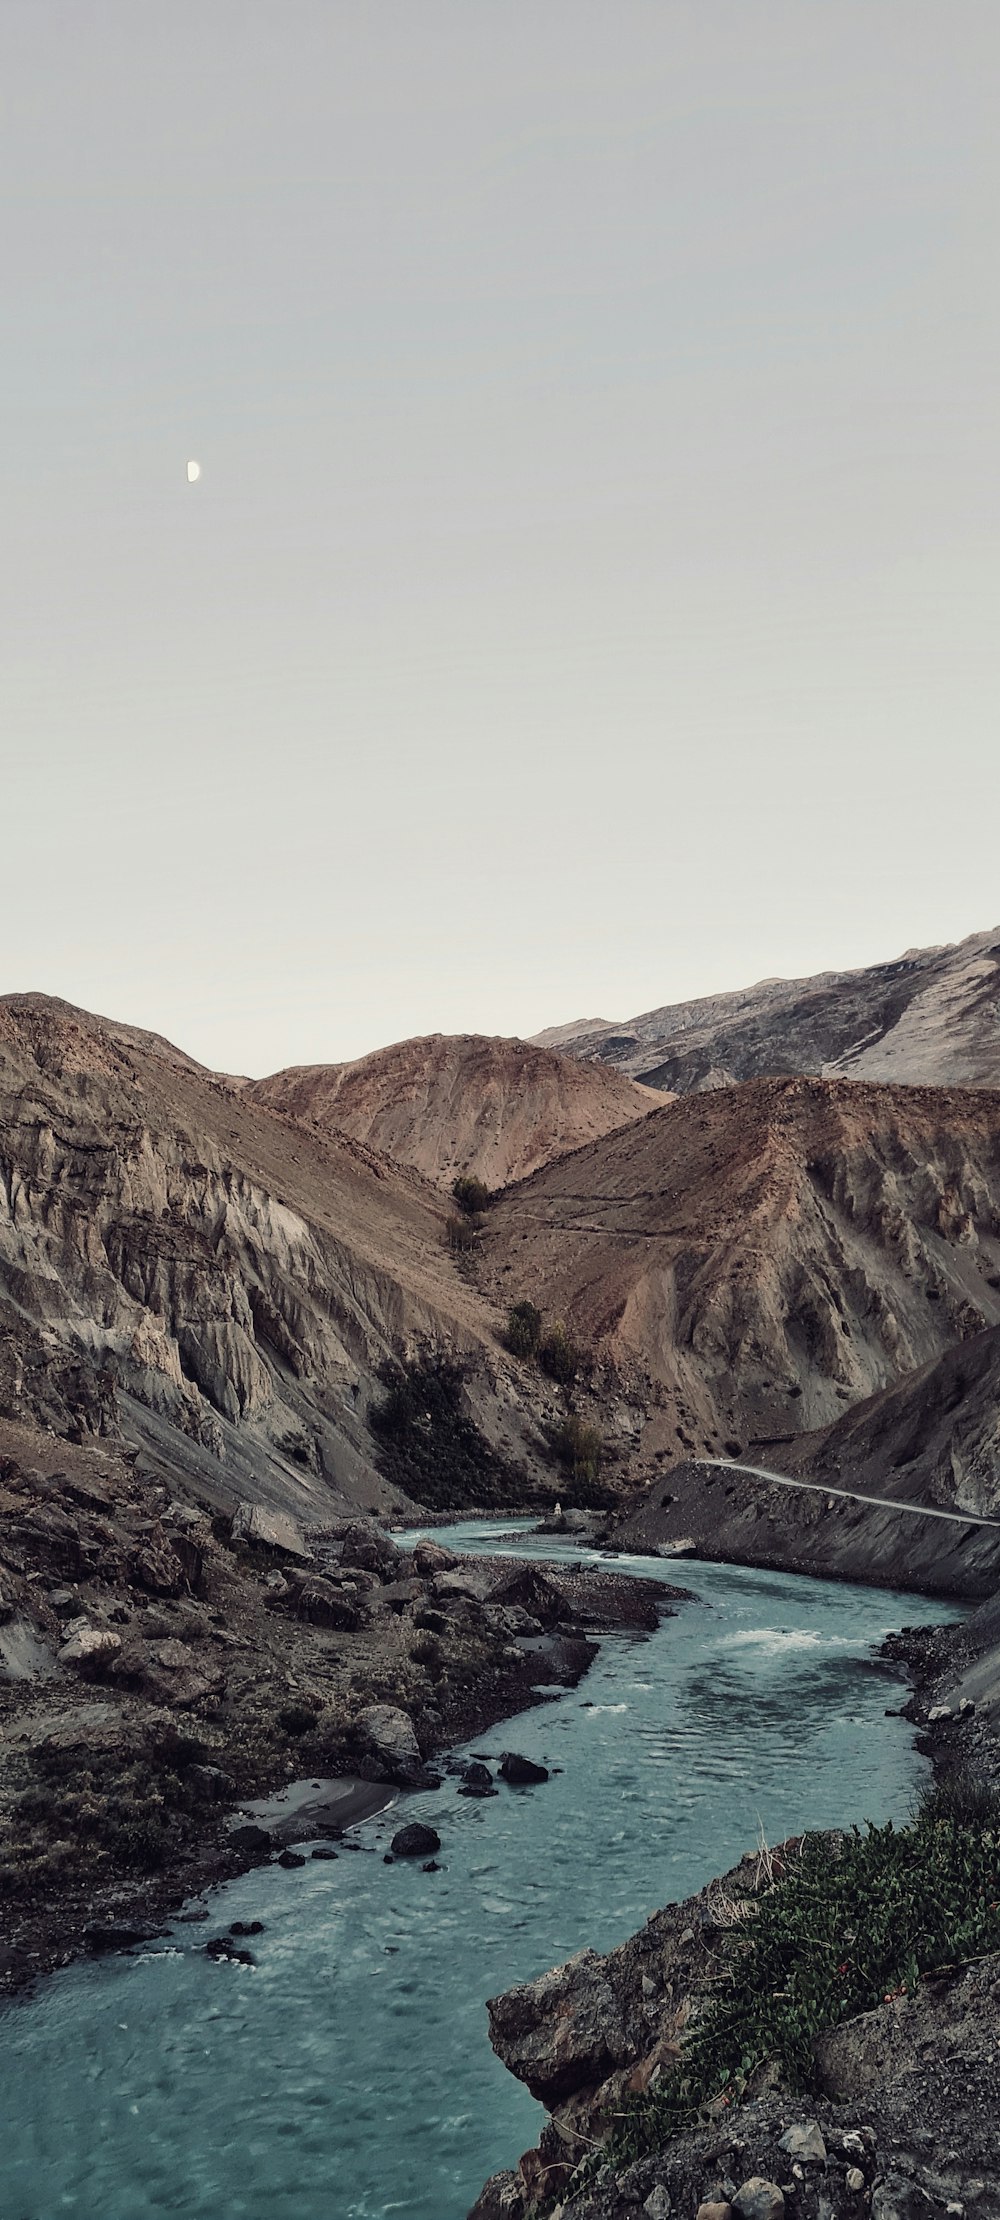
(348,2076)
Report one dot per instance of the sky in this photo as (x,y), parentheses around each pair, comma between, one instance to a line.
(590,595)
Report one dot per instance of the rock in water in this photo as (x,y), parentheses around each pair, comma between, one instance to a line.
(415,1841)
(477,1780)
(521,1770)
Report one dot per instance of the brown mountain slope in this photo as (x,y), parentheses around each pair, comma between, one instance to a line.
(451,1103)
(934,1437)
(763,1255)
(932,1017)
(175,1254)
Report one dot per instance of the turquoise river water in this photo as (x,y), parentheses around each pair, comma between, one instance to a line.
(348,2076)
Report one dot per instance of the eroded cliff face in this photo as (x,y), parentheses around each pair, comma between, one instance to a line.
(238,1280)
(757,1259)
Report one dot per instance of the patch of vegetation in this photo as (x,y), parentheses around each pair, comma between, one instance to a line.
(526,1336)
(558,1355)
(523,1330)
(847,1925)
(432,1450)
(579,1447)
(460,1233)
(471,1195)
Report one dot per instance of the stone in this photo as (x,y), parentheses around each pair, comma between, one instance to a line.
(90,1647)
(430,1558)
(477,1780)
(520,1771)
(324,1851)
(658,2204)
(389,1735)
(290,1859)
(415,1841)
(256,1528)
(246,1926)
(804,2140)
(713,2210)
(759,2199)
(855,2180)
(115,1936)
(938,1711)
(251,1841)
(565,2030)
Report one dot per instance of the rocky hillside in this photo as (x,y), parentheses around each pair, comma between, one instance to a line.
(931,1018)
(934,1437)
(182,1262)
(460,1103)
(751,1261)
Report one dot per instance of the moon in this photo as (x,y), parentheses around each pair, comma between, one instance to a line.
(193,473)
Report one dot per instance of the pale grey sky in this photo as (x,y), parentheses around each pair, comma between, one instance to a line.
(590,597)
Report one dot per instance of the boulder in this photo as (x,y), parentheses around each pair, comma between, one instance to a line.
(804,2140)
(251,1841)
(256,1528)
(431,1558)
(90,1648)
(364,1544)
(501,2199)
(520,1771)
(415,1841)
(759,2199)
(563,2031)
(321,1604)
(389,1736)
(477,1780)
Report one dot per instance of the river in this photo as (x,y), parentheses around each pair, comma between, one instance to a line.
(348,2076)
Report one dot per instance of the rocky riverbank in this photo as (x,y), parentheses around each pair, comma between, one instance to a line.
(161,1668)
(901,2121)
(901,2118)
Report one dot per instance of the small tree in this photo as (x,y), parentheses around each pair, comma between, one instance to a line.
(559,1356)
(471,1195)
(524,1330)
(460,1233)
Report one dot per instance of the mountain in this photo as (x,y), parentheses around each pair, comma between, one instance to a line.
(460,1103)
(183,1263)
(751,1260)
(932,1437)
(931,1018)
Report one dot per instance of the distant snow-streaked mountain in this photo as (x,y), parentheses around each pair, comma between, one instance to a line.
(931,1018)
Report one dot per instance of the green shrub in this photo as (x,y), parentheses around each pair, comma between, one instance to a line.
(577,1445)
(471,1195)
(559,1356)
(431,1449)
(460,1233)
(523,1330)
(851,1922)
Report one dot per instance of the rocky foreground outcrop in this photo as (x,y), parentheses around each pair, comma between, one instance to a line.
(903,2122)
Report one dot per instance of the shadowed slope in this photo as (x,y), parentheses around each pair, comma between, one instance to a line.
(763,1255)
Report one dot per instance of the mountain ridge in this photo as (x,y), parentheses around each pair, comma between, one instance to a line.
(930,1016)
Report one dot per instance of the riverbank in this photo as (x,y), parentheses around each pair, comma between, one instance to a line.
(901,2118)
(165,1672)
